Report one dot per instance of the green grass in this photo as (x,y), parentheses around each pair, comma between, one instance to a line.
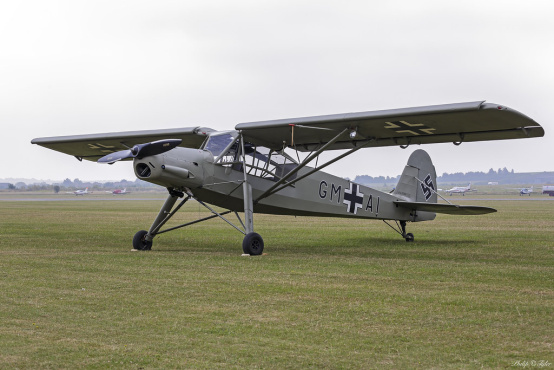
(470,292)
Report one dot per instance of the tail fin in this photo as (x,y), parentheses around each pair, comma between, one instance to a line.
(418,182)
(417,189)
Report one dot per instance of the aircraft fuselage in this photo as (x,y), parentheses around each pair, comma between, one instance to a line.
(320,194)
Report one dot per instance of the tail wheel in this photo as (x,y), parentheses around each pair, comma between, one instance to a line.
(140,243)
(253,244)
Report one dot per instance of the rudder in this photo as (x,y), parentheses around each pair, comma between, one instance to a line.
(418,182)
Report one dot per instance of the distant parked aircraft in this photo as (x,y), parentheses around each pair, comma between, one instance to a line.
(81,192)
(119,191)
(460,189)
(525,191)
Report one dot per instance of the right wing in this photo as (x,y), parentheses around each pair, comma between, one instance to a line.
(94,146)
(462,122)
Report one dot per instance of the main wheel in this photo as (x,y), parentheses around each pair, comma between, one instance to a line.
(253,244)
(409,237)
(140,243)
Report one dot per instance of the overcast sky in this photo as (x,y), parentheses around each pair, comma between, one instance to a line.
(76,67)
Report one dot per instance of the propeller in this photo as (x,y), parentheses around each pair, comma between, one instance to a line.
(141,150)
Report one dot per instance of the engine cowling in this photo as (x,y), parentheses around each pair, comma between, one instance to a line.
(176,168)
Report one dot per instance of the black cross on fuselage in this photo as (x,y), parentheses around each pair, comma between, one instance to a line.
(353,198)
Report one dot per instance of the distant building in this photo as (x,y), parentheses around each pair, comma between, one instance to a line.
(548,189)
(4,185)
(492,183)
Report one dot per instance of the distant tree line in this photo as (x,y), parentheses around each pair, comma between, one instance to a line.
(71,185)
(501,176)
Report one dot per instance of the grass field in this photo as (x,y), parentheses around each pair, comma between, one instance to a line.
(470,292)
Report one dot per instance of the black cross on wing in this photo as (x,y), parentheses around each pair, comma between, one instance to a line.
(402,127)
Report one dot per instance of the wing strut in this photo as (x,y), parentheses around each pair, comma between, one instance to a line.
(315,170)
(280,185)
(300,166)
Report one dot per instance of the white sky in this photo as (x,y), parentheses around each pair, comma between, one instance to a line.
(75,67)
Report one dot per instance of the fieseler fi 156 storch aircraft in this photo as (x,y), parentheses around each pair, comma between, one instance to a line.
(257,167)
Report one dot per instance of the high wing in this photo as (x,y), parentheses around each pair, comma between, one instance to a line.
(451,209)
(94,146)
(462,122)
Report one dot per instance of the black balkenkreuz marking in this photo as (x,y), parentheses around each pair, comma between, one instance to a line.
(102,148)
(353,198)
(428,187)
(403,127)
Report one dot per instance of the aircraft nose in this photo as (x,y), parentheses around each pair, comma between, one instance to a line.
(172,169)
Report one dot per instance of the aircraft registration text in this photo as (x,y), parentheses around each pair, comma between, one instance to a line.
(352,197)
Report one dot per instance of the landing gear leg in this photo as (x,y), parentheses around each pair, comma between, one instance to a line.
(143,239)
(408,236)
(252,244)
(401,229)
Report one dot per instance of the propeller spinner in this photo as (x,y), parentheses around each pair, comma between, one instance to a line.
(141,150)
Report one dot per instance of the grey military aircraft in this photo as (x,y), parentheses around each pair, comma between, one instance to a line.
(262,167)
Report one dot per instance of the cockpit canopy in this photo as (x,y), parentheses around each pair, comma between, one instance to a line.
(217,143)
(260,161)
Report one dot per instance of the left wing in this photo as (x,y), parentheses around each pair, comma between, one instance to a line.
(94,146)
(463,122)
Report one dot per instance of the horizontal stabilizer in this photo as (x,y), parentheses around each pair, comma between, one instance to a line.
(451,209)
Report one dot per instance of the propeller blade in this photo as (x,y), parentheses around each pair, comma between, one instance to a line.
(156,147)
(141,150)
(117,156)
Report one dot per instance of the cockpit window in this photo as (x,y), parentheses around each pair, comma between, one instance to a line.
(268,164)
(217,143)
(260,161)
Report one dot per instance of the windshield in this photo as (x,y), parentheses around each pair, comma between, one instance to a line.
(217,143)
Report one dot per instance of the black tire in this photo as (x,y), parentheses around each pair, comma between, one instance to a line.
(140,243)
(253,244)
(409,237)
